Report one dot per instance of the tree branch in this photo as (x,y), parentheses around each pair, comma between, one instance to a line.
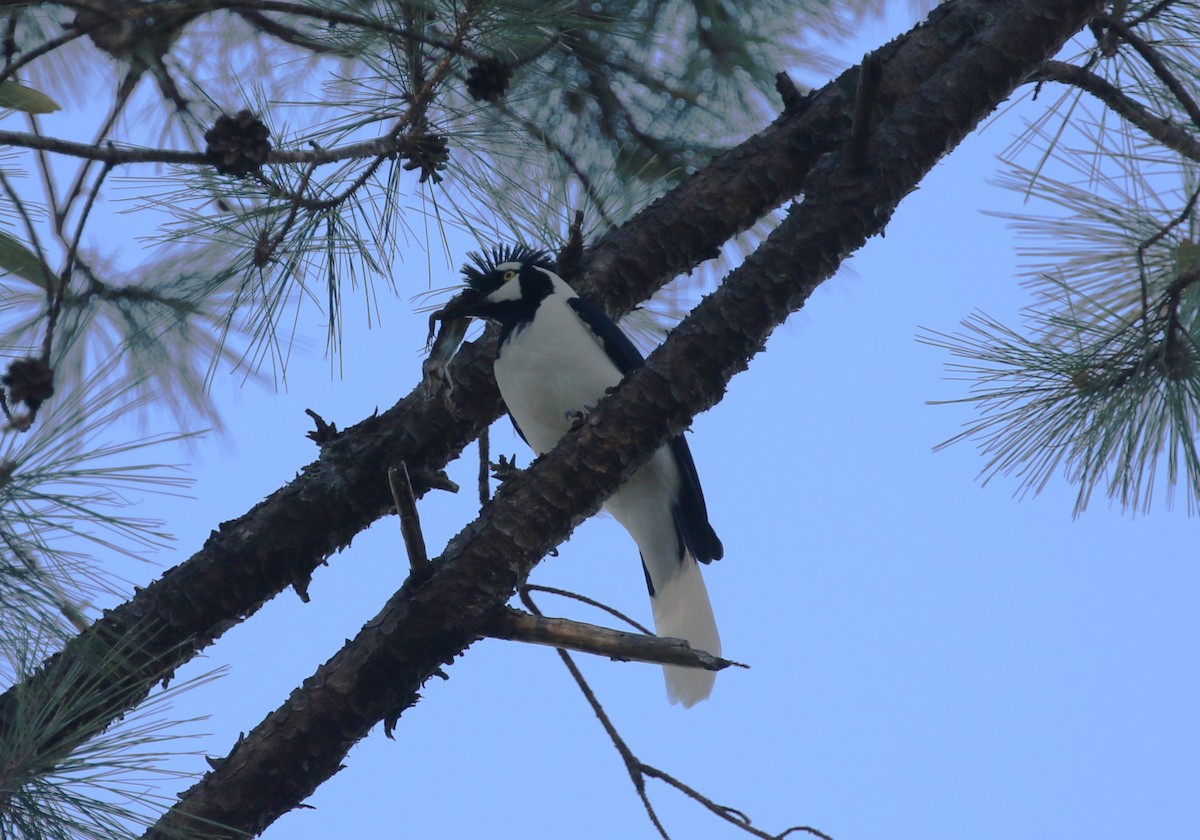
(377,675)
(287,34)
(118,155)
(1150,55)
(639,770)
(410,523)
(1170,134)
(517,626)
(283,539)
(583,599)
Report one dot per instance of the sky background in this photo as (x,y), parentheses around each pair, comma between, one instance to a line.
(929,658)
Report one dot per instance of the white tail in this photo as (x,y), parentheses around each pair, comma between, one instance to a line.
(682,610)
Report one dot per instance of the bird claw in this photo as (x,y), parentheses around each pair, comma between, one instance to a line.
(576,417)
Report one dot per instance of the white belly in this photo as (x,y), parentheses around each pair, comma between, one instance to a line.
(547,377)
(551,370)
(548,371)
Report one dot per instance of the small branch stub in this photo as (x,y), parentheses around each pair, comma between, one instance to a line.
(570,258)
(324,433)
(869,76)
(793,99)
(410,523)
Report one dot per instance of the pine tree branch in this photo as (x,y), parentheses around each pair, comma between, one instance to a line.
(120,155)
(287,34)
(283,539)
(1151,13)
(377,675)
(1156,63)
(1170,134)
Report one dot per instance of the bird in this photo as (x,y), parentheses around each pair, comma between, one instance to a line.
(557,356)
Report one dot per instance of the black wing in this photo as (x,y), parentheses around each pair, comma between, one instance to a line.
(691,514)
(520,434)
(617,345)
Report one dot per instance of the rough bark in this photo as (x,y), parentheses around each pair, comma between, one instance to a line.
(438,614)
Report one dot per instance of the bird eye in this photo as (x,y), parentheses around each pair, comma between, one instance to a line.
(508,275)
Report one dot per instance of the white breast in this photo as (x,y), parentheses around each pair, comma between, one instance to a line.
(549,368)
(555,366)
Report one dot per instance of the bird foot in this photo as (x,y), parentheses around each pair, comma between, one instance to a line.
(576,418)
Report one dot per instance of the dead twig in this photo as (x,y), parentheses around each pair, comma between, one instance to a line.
(638,770)
(410,522)
(591,602)
(563,633)
(485,486)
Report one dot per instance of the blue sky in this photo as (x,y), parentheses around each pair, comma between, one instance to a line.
(929,658)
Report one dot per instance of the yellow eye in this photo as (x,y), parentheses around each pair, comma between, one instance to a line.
(508,275)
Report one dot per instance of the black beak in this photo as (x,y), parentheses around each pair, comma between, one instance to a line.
(463,305)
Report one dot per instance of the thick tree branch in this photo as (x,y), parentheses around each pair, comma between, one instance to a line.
(282,540)
(432,619)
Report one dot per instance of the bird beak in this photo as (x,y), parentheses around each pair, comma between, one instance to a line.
(463,305)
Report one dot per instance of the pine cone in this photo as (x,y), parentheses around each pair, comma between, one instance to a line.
(238,145)
(429,153)
(29,381)
(488,79)
(1175,358)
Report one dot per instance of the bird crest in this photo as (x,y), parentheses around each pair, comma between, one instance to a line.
(480,271)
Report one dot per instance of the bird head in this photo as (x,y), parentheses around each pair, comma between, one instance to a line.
(499,281)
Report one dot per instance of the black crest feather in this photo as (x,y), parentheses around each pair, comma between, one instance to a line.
(480,265)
